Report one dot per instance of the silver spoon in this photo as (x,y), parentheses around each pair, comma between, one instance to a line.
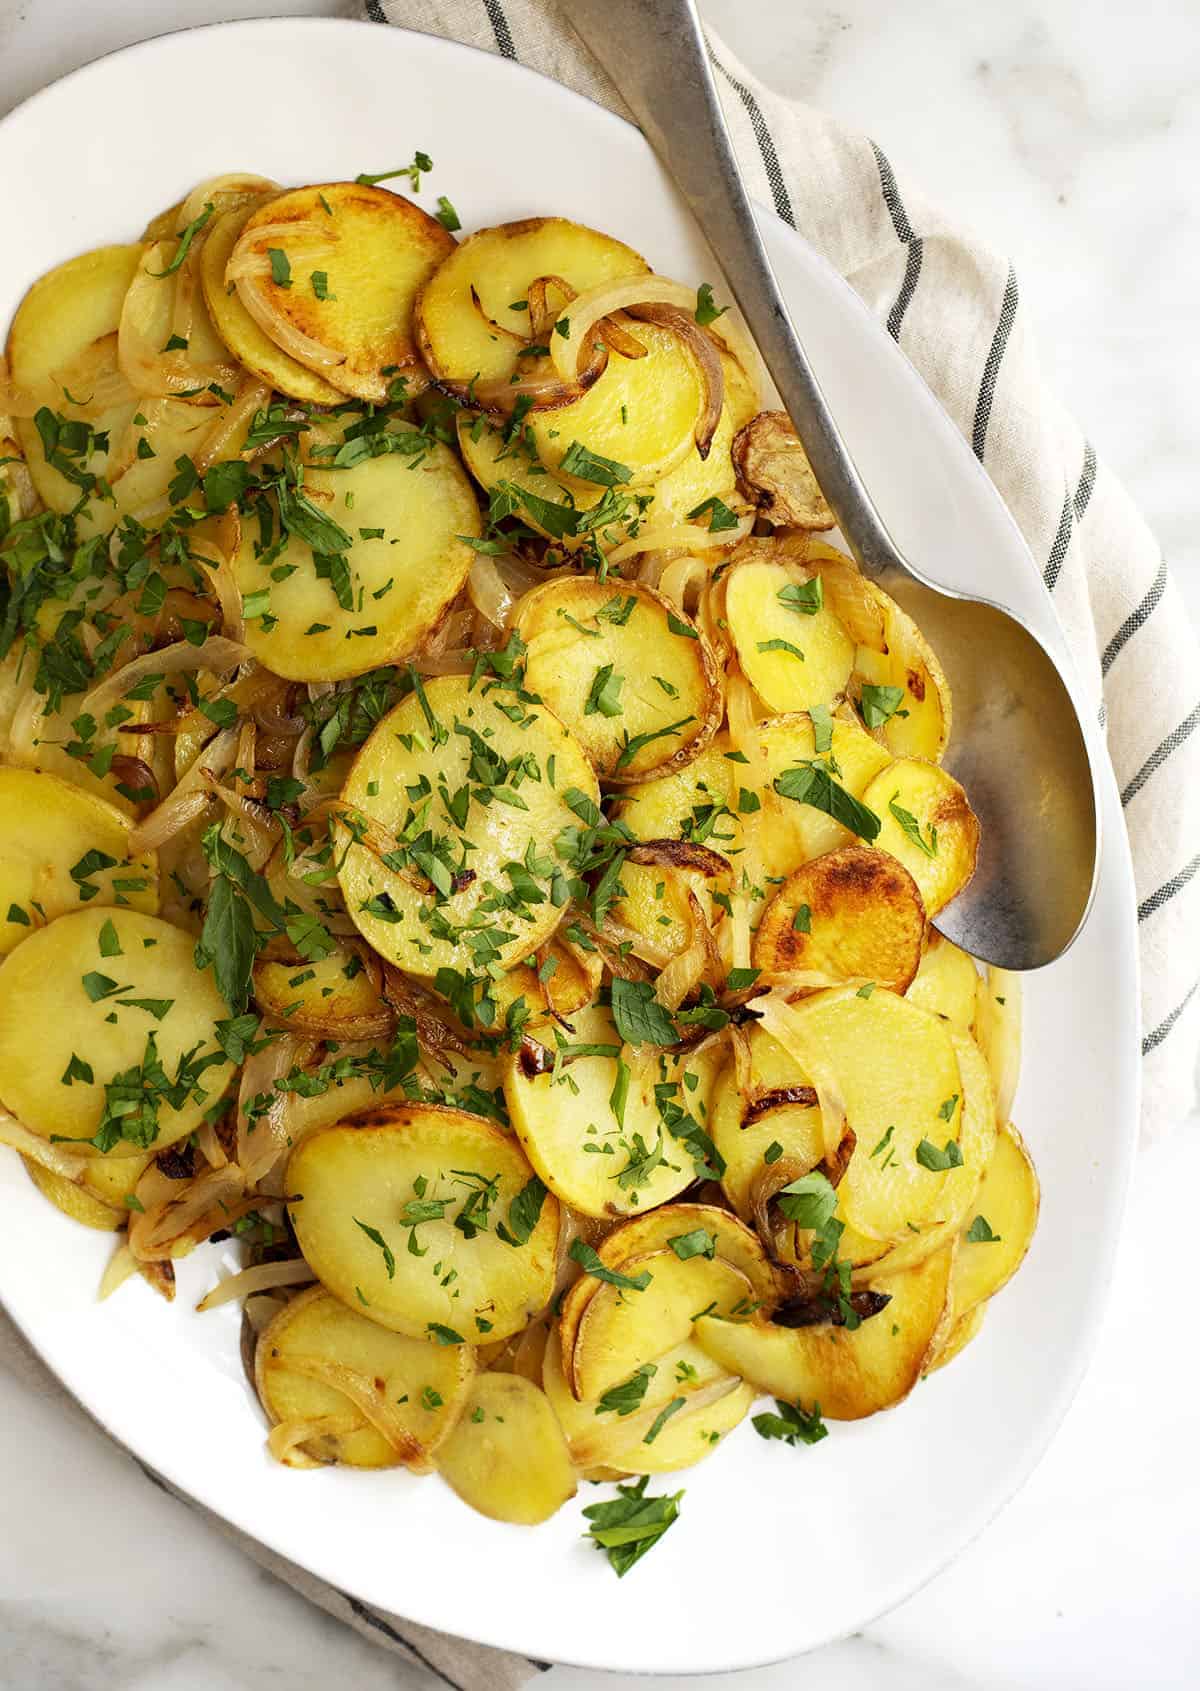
(1017,747)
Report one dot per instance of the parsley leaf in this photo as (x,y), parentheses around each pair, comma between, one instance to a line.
(625,1398)
(640,1019)
(930,1157)
(803,597)
(912,828)
(880,704)
(589,466)
(979,1232)
(811,783)
(792,1424)
(592,1263)
(706,311)
(631,1524)
(377,1238)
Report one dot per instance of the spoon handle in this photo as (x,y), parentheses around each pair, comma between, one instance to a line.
(655,53)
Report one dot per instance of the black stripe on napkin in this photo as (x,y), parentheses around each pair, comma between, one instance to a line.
(371,1619)
(1087,480)
(375,12)
(891,197)
(904,233)
(991,370)
(1154,1039)
(1167,891)
(908,287)
(1139,615)
(500,29)
(1062,542)
(1160,754)
(766,145)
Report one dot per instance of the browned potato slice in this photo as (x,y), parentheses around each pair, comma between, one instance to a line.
(340,298)
(471,317)
(898,1077)
(597,1432)
(556,982)
(315,1340)
(96,1006)
(639,687)
(774,473)
(789,832)
(694,480)
(849,1373)
(507,1456)
(621,1329)
(74,1199)
(1001,1220)
(665,892)
(696,802)
(794,657)
(963,1330)
(64,336)
(385,1171)
(853,914)
(240,333)
(945,982)
(927,822)
(61,847)
(147,325)
(998,1030)
(336,996)
(730,1240)
(604,1156)
(402,522)
(780,1115)
(425,745)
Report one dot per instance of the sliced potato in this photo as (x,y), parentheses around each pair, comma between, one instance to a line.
(568,1125)
(730,1240)
(147,326)
(346,1179)
(853,914)
(18,497)
(374,249)
(49,828)
(596,1433)
(621,1329)
(98,1006)
(336,996)
(695,480)
(963,1329)
(114,1179)
(640,688)
(240,333)
(507,1456)
(555,982)
(443,741)
(697,802)
(64,337)
(998,1030)
(794,658)
(145,457)
(492,459)
(781,1110)
(406,562)
(895,1069)
(849,1373)
(920,725)
(663,897)
(1007,1201)
(928,824)
(945,981)
(774,473)
(471,317)
(790,833)
(74,1199)
(315,1339)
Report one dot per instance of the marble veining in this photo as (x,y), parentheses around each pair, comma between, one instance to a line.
(1068,134)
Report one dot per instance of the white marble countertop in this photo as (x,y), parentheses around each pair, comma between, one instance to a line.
(1075,150)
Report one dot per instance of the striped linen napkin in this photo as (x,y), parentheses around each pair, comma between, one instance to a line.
(955,308)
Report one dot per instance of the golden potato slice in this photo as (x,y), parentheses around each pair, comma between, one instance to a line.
(774,473)
(64,336)
(790,832)
(507,1456)
(358,1193)
(555,982)
(664,897)
(945,981)
(240,333)
(780,1117)
(18,497)
(514,777)
(99,986)
(147,328)
(640,688)
(697,802)
(729,1239)
(114,1179)
(597,1432)
(315,1340)
(1003,1216)
(695,480)
(920,725)
(620,1329)
(74,1199)
(926,822)
(849,1373)
(962,1331)
(471,317)
(402,520)
(853,914)
(335,997)
(145,457)
(604,1154)
(351,259)
(794,652)
(33,737)
(998,1030)
(61,847)
(492,459)
(895,1068)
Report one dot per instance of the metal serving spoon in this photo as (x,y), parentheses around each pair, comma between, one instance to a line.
(1017,746)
